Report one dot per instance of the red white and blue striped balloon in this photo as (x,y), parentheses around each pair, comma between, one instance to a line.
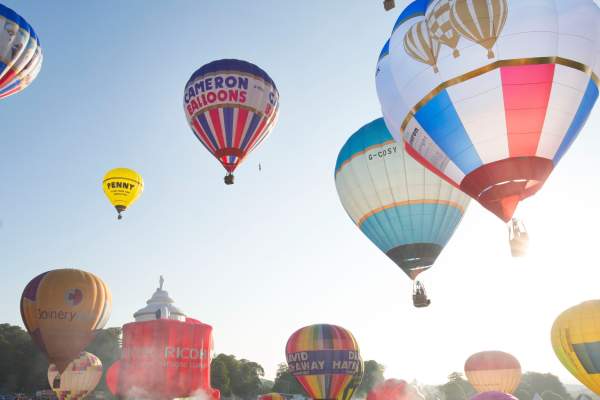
(496,110)
(20,53)
(231,105)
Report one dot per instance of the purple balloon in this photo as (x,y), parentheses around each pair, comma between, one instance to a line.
(493,396)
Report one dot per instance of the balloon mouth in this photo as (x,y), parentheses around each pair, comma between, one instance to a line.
(414,258)
(501,185)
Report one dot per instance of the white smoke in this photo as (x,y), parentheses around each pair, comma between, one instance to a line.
(199,394)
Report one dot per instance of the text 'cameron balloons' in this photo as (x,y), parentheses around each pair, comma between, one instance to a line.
(490,371)
(325,359)
(231,105)
(62,309)
(78,380)
(494,395)
(576,342)
(493,93)
(122,186)
(20,53)
(408,212)
(390,389)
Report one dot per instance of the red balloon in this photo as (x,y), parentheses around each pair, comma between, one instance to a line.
(390,389)
(163,359)
(112,377)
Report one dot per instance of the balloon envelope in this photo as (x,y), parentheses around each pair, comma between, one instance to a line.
(231,106)
(62,309)
(408,212)
(496,111)
(163,359)
(272,396)
(79,379)
(493,396)
(490,371)
(390,389)
(20,53)
(576,342)
(325,359)
(122,186)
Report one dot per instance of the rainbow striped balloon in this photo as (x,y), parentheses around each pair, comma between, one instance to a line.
(326,361)
(273,396)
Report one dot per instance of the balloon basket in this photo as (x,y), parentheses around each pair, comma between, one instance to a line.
(228,179)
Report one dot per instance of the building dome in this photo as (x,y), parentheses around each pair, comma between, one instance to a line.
(160,306)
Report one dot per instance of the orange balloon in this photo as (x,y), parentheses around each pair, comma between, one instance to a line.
(62,309)
(493,371)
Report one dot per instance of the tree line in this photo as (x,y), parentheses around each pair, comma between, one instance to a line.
(23,369)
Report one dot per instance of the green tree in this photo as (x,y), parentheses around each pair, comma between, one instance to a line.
(286,383)
(373,376)
(549,395)
(219,376)
(457,388)
(238,377)
(22,367)
(107,347)
(535,382)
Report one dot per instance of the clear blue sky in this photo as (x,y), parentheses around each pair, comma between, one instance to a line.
(275,251)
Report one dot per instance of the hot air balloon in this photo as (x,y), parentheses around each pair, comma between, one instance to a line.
(122,186)
(576,342)
(62,309)
(390,389)
(355,382)
(325,359)
(272,396)
(493,396)
(408,212)
(112,378)
(78,380)
(499,117)
(20,53)
(165,355)
(490,371)
(231,106)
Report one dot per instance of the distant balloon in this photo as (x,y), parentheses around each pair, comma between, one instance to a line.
(576,342)
(490,371)
(20,53)
(79,379)
(325,360)
(231,106)
(122,186)
(112,378)
(272,396)
(408,212)
(493,93)
(390,389)
(493,396)
(62,309)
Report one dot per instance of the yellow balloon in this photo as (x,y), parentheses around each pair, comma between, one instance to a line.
(576,342)
(62,310)
(122,186)
(78,380)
